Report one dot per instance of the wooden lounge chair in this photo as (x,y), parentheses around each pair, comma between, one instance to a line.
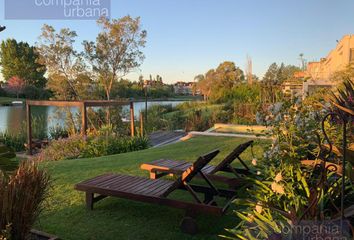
(158,191)
(162,167)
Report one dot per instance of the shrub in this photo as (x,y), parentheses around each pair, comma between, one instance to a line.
(2,92)
(95,145)
(63,148)
(7,161)
(156,117)
(15,141)
(57,132)
(21,199)
(286,192)
(108,145)
(32,92)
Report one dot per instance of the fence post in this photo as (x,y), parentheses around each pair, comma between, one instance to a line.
(29,129)
(83,119)
(132,127)
(141,124)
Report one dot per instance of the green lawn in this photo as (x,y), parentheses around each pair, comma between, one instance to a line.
(7,100)
(113,218)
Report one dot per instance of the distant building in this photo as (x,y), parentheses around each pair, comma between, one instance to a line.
(153,83)
(310,86)
(292,88)
(183,88)
(318,74)
(337,59)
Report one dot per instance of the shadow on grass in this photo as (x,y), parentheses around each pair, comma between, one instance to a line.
(115,218)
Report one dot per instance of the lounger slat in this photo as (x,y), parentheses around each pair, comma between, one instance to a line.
(131,184)
(127,183)
(160,191)
(98,179)
(172,164)
(157,184)
(142,187)
(109,181)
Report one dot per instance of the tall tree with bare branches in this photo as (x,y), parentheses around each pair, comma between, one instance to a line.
(64,65)
(117,50)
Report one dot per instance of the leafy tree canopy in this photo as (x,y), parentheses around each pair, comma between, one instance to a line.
(20,59)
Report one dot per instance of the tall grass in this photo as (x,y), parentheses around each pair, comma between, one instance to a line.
(21,199)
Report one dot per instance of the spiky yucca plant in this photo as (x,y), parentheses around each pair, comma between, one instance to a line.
(343,101)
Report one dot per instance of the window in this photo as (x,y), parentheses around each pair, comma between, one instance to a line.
(351,57)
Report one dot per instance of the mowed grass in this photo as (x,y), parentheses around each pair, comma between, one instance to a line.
(65,214)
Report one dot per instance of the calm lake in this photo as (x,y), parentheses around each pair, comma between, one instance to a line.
(12,117)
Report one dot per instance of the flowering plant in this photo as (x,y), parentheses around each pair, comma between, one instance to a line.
(286,192)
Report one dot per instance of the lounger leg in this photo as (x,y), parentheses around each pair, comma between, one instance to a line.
(152,175)
(189,224)
(209,199)
(89,200)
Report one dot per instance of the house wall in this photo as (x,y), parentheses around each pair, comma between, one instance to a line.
(336,60)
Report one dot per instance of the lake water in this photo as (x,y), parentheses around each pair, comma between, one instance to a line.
(12,117)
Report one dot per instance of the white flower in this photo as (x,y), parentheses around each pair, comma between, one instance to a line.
(254,161)
(277,188)
(258,173)
(259,208)
(278,177)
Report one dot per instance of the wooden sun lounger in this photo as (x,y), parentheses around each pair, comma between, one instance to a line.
(163,167)
(157,191)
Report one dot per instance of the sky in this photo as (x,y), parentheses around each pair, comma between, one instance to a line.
(189,37)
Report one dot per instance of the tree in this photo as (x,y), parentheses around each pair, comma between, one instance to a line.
(204,83)
(15,85)
(249,73)
(286,72)
(63,63)
(271,76)
(227,75)
(215,84)
(20,59)
(117,50)
(270,84)
(303,62)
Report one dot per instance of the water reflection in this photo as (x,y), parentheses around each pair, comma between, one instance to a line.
(12,118)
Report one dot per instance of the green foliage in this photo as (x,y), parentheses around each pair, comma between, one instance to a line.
(21,199)
(64,65)
(108,145)
(117,50)
(7,162)
(272,80)
(13,140)
(63,148)
(20,59)
(215,83)
(17,140)
(57,132)
(343,101)
(100,143)
(284,192)
(33,92)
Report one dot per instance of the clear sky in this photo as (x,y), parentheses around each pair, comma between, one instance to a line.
(188,37)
